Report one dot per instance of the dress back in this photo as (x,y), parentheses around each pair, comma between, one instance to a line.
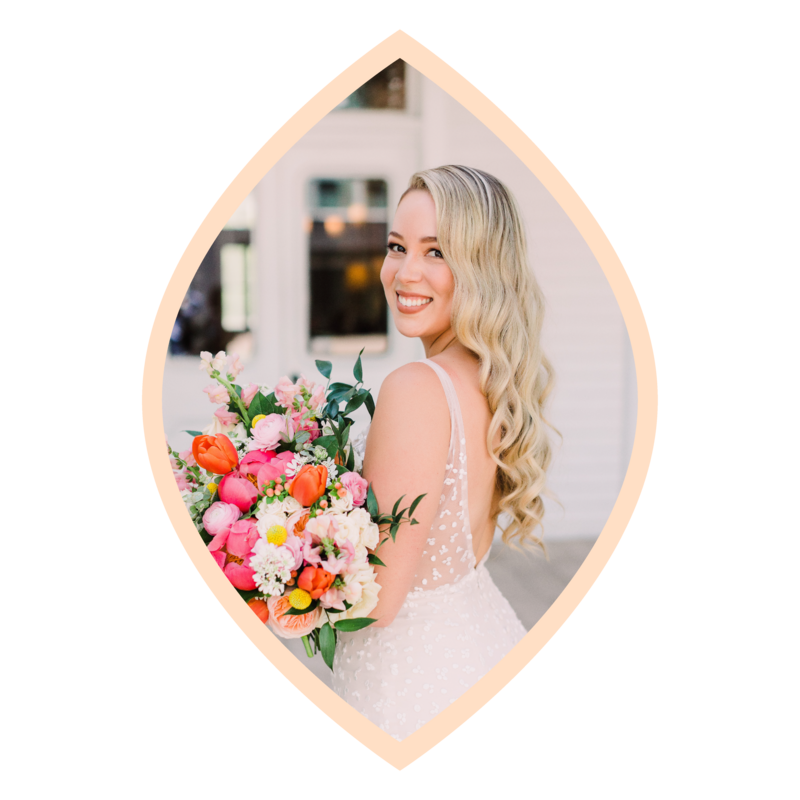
(448,556)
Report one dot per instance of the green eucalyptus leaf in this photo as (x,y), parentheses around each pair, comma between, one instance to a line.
(355,402)
(372,503)
(194,433)
(324,367)
(357,369)
(373,559)
(327,644)
(332,409)
(348,625)
(397,505)
(415,504)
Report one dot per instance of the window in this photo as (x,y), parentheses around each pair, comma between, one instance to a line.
(387,89)
(347,230)
(218,311)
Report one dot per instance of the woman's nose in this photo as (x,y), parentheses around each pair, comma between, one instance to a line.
(410,270)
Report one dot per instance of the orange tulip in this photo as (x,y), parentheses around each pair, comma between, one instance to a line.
(309,484)
(215,453)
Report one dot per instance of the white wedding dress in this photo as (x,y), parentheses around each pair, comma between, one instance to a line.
(453,627)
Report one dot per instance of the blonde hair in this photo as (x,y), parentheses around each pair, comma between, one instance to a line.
(497,314)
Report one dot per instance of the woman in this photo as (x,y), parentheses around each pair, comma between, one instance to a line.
(465,427)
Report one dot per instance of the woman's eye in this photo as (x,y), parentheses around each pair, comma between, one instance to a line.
(438,252)
(392,245)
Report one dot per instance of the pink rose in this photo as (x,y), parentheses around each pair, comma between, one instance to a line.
(248,393)
(267,432)
(253,461)
(217,394)
(219,517)
(290,626)
(357,487)
(285,392)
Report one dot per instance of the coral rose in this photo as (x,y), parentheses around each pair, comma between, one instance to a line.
(315,580)
(309,484)
(215,453)
(260,608)
(290,626)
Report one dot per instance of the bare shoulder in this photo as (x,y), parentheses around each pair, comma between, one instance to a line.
(412,403)
(413,383)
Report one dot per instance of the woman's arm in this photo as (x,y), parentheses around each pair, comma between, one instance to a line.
(407,447)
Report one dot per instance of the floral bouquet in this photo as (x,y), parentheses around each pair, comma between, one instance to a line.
(273,486)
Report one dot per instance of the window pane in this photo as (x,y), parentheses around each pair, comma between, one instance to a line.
(387,89)
(347,246)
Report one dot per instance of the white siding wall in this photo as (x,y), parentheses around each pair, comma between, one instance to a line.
(594,405)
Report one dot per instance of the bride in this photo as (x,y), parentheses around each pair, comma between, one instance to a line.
(465,427)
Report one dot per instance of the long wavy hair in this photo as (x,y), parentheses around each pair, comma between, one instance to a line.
(497,314)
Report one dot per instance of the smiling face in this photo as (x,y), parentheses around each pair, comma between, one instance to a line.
(417,281)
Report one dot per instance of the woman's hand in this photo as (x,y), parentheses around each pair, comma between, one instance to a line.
(407,447)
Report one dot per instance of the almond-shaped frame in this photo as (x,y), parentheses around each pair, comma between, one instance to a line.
(401,45)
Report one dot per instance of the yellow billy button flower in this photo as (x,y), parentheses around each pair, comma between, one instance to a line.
(212,487)
(300,599)
(277,535)
(256,420)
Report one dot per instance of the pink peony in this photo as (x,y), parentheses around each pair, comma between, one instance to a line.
(248,393)
(285,392)
(357,487)
(253,461)
(232,549)
(238,491)
(267,432)
(274,468)
(219,517)
(217,394)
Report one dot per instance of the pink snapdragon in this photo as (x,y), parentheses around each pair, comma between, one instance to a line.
(227,418)
(210,363)
(217,394)
(234,365)
(285,391)
(248,393)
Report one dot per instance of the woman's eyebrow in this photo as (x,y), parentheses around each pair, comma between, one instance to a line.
(423,239)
